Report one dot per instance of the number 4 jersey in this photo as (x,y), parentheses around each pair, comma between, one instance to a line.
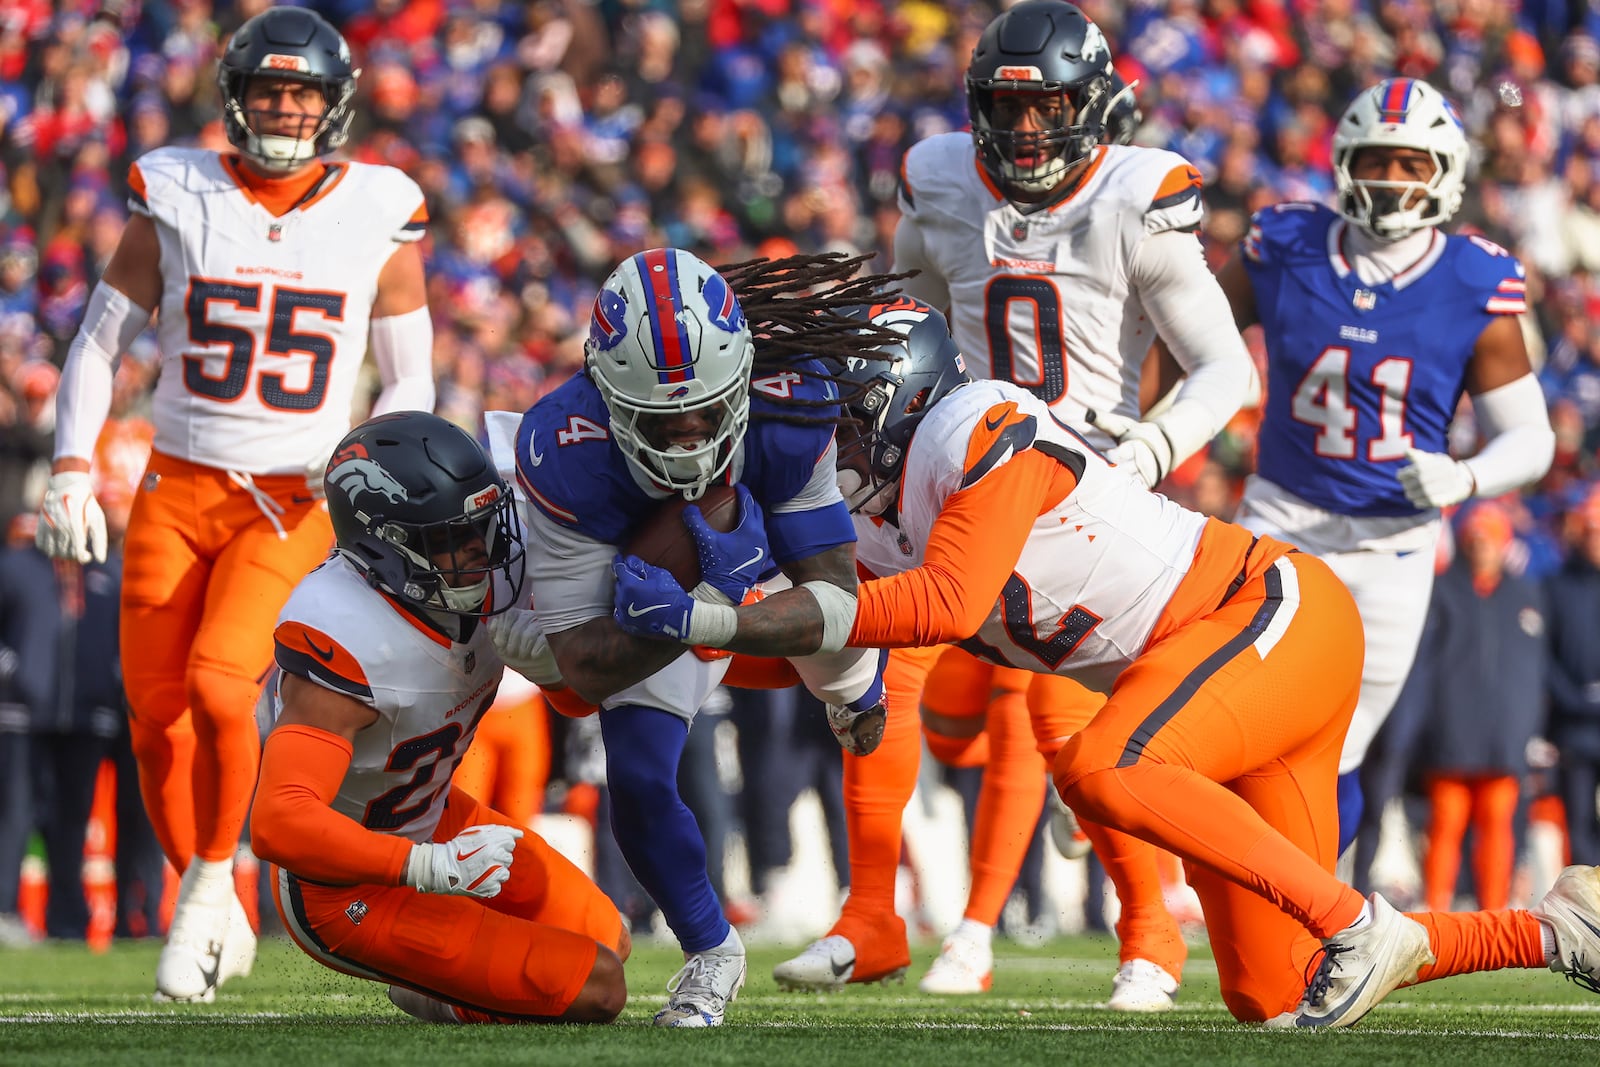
(263,318)
(1358,373)
(429,692)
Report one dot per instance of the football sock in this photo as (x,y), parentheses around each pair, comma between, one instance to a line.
(1468,941)
(1352,802)
(655,830)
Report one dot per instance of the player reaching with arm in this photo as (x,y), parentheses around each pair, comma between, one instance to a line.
(1231,665)
(692,378)
(272,270)
(1375,323)
(1061,256)
(384,870)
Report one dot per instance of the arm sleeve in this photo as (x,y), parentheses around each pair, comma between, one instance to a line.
(975,541)
(402,347)
(1520,443)
(911,253)
(1190,312)
(111,322)
(293,824)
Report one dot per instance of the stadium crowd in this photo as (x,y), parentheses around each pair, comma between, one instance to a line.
(553,139)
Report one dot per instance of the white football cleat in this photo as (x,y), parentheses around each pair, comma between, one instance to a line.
(706,984)
(190,965)
(824,965)
(1142,986)
(1362,966)
(965,964)
(1572,909)
(1065,833)
(423,1007)
(238,944)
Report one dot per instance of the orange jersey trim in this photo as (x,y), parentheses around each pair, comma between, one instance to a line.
(278,195)
(1225,551)
(975,542)
(136,188)
(417,624)
(293,823)
(1083,179)
(1179,180)
(308,652)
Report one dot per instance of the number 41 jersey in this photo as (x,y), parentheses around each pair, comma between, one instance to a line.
(263,318)
(1358,373)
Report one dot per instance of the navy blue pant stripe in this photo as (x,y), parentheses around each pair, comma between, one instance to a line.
(1213,663)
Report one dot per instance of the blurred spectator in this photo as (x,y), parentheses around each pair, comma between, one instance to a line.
(1574,681)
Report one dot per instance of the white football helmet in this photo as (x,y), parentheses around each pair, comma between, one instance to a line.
(1401,113)
(667,335)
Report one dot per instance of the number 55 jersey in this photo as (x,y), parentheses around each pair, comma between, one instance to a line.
(263,319)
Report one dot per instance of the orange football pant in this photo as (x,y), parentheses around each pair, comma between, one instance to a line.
(509,758)
(204,577)
(524,953)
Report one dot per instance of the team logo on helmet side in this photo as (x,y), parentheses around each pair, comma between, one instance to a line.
(607,326)
(354,472)
(725,312)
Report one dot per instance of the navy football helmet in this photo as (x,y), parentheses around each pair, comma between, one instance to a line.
(299,45)
(419,509)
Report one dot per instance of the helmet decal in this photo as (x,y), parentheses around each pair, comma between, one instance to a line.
(1396,100)
(724,307)
(356,475)
(667,328)
(607,327)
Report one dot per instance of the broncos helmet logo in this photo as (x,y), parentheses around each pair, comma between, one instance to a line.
(355,475)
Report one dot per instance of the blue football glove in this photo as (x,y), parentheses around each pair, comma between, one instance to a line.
(731,562)
(858,726)
(648,601)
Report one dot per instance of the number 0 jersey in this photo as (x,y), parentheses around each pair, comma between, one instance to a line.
(263,319)
(1358,373)
(1043,298)
(429,693)
(1102,572)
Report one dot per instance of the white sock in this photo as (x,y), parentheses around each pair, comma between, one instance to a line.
(973,930)
(1547,936)
(1362,919)
(213,879)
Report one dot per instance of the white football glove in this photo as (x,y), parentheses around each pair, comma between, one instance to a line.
(1434,480)
(1143,444)
(474,863)
(71,524)
(520,641)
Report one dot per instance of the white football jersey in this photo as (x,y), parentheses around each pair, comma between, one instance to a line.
(1043,298)
(263,319)
(429,693)
(1097,570)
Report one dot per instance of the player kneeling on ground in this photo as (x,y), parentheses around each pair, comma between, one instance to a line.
(1231,665)
(385,668)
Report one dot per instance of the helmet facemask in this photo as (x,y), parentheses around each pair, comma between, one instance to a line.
(685,468)
(319,134)
(867,466)
(1409,114)
(1377,206)
(452,566)
(1036,161)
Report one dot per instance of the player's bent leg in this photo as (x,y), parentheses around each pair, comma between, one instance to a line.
(1205,706)
(489,966)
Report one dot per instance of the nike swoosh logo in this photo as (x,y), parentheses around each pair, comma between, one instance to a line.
(994,424)
(214,953)
(1349,999)
(634,613)
(839,969)
(325,654)
(464,856)
(752,561)
(535,458)
(296,498)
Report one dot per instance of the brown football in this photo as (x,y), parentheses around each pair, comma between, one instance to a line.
(663,539)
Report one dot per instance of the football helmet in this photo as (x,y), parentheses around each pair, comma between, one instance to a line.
(667,336)
(1042,46)
(298,45)
(409,488)
(1123,115)
(888,397)
(1401,113)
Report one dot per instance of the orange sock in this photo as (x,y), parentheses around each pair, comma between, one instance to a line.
(1468,941)
(1009,800)
(1145,929)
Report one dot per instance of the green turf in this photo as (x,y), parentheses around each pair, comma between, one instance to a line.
(62,1005)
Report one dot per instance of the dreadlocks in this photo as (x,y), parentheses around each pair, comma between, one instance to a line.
(794,308)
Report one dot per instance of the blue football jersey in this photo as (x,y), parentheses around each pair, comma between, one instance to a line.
(575,475)
(1358,373)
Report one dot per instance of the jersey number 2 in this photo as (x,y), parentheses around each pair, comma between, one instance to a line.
(1323,401)
(282,340)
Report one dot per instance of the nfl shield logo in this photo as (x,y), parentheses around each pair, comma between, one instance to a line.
(1365,300)
(356,912)
(472,661)
(275,232)
(1019,230)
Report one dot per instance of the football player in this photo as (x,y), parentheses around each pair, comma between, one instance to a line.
(272,271)
(681,391)
(1061,256)
(1231,664)
(385,870)
(1376,322)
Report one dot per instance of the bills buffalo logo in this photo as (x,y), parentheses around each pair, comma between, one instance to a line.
(726,314)
(355,473)
(678,393)
(607,326)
